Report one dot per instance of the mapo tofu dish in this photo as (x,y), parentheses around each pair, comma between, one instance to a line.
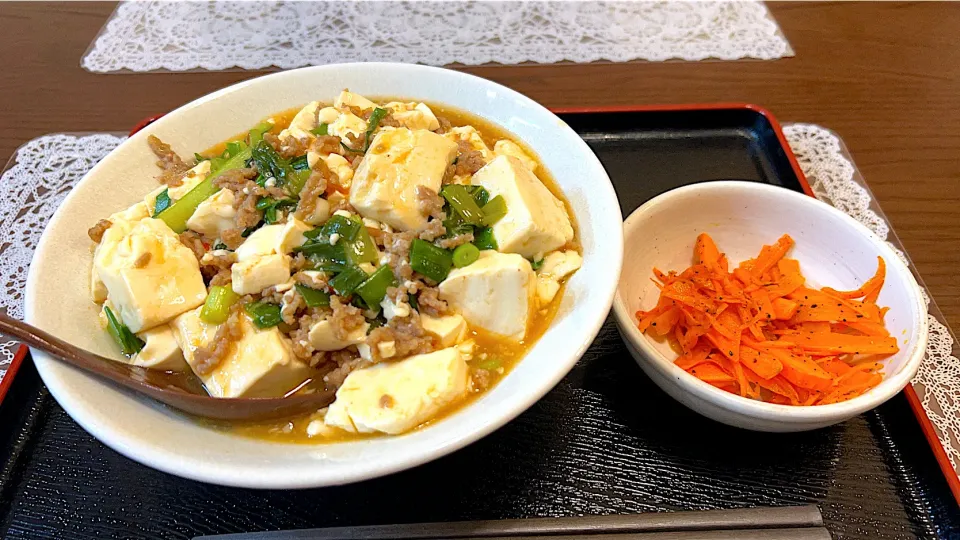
(404,256)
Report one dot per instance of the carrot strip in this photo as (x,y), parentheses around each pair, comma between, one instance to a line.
(758,331)
(874,283)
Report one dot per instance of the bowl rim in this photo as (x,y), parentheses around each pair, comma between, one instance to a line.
(887,388)
(158,458)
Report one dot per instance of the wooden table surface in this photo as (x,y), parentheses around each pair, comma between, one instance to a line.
(882,75)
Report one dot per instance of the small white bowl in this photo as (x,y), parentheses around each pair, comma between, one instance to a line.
(58,298)
(833,249)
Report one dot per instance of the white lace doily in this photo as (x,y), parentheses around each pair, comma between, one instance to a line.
(183,36)
(46,168)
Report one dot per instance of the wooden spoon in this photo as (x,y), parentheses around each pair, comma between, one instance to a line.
(176,390)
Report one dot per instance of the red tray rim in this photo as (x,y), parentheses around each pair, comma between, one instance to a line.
(951,476)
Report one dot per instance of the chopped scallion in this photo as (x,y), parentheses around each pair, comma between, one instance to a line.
(219,301)
(129,343)
(264,315)
(430,260)
(313,297)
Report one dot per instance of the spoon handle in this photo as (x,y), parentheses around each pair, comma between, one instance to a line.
(73,355)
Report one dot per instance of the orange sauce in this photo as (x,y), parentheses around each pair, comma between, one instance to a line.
(495,354)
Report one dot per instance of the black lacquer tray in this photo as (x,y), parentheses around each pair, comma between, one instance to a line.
(605,440)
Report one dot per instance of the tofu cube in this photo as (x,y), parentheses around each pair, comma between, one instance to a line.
(536,222)
(471,136)
(349,99)
(160,350)
(323,338)
(254,275)
(395,397)
(556,266)
(193,177)
(214,215)
(278,239)
(496,293)
(384,186)
(348,124)
(121,223)
(506,147)
(302,123)
(149,275)
(449,329)
(260,363)
(413,115)
(320,213)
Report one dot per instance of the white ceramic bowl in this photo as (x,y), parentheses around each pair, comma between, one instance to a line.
(833,249)
(58,301)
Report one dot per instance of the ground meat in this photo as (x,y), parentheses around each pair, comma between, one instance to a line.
(345,317)
(407,335)
(429,202)
(355,143)
(482,378)
(433,230)
(429,302)
(341,203)
(222,277)
(142,260)
(387,120)
(290,147)
(300,337)
(327,144)
(316,281)
(300,262)
(247,213)
(97,231)
(397,246)
(219,259)
(347,361)
(232,238)
(445,125)
(355,162)
(458,240)
(193,241)
(230,331)
(469,161)
(292,303)
(173,167)
(313,189)
(235,179)
(449,174)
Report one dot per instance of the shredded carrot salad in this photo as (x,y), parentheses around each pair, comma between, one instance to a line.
(757,331)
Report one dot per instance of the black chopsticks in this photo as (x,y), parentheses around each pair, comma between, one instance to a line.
(783,523)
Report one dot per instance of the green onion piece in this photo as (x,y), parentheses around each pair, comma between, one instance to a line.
(250,230)
(430,260)
(265,202)
(300,163)
(454,224)
(462,203)
(484,239)
(313,297)
(536,265)
(494,210)
(219,301)
(345,227)
(480,194)
(362,249)
(256,134)
(322,251)
(129,343)
(264,315)
(375,287)
(347,281)
(199,158)
(465,255)
(221,245)
(162,203)
(233,148)
(489,364)
(375,117)
(320,130)
(413,301)
(298,179)
(176,215)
